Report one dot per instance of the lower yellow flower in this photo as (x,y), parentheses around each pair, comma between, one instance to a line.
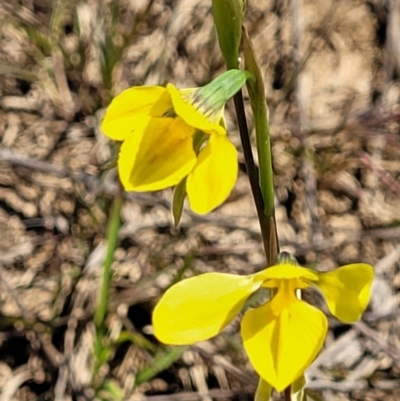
(157,127)
(281,337)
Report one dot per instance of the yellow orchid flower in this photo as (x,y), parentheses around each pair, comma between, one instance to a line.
(281,337)
(157,127)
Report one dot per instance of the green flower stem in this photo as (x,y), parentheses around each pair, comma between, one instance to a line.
(266,181)
(252,171)
(261,181)
(112,240)
(263,392)
(228,17)
(101,348)
(257,100)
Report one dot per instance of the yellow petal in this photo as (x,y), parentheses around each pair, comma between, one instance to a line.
(157,156)
(214,175)
(288,271)
(188,112)
(121,116)
(347,290)
(281,347)
(200,307)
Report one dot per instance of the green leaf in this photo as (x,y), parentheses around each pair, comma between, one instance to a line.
(136,338)
(112,391)
(162,361)
(178,200)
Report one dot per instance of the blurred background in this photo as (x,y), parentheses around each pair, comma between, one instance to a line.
(332,77)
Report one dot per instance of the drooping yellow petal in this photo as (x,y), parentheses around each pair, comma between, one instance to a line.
(281,347)
(214,175)
(122,114)
(193,117)
(347,290)
(200,307)
(158,155)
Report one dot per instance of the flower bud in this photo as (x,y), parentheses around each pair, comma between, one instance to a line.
(228,17)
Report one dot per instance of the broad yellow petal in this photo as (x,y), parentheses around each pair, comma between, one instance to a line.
(158,155)
(200,307)
(281,347)
(214,175)
(121,116)
(347,290)
(192,115)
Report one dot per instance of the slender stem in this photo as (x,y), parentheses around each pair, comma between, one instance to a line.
(263,392)
(287,394)
(256,91)
(266,182)
(252,170)
(112,239)
(261,181)
(264,153)
(100,348)
(266,175)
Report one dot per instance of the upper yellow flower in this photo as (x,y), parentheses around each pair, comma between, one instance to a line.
(281,337)
(158,125)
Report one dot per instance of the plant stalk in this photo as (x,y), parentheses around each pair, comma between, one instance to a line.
(252,171)
(112,240)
